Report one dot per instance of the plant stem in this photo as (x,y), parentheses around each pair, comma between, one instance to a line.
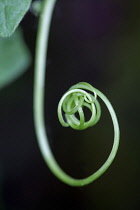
(39,92)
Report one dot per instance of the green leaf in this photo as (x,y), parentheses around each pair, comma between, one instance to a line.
(14,58)
(11,13)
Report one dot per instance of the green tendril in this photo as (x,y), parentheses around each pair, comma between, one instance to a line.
(72,103)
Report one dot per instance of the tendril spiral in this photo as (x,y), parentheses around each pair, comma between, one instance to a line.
(74,101)
(72,104)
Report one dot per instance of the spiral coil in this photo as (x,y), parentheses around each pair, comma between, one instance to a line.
(74,101)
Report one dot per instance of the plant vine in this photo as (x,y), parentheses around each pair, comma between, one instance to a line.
(78,96)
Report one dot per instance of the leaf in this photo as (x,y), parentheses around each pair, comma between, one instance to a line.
(14,58)
(11,13)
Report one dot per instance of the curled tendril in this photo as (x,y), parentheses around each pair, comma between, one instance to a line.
(72,102)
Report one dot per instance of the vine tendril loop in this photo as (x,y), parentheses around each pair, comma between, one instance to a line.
(72,102)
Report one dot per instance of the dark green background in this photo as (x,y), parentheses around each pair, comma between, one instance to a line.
(92,41)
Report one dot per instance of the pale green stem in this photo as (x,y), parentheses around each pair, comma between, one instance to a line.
(39,88)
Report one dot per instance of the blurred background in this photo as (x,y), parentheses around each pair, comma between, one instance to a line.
(92,41)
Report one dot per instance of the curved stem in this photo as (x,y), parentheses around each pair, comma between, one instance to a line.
(39,88)
(39,78)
